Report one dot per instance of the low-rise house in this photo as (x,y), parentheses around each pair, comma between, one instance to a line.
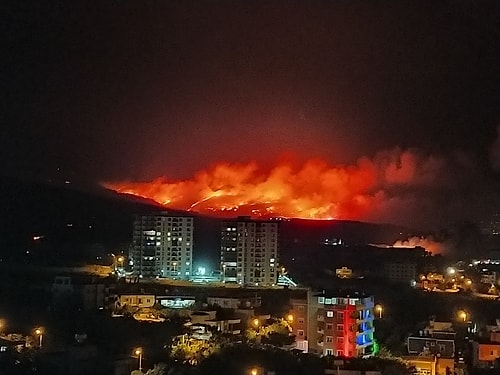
(430,365)
(425,345)
(137,300)
(246,302)
(176,302)
(200,317)
(208,321)
(82,291)
(485,353)
(227,326)
(437,342)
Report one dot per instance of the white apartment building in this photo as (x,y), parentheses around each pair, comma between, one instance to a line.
(249,251)
(163,246)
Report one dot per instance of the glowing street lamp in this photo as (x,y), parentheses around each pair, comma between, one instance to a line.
(379,309)
(254,371)
(289,317)
(39,333)
(138,353)
(256,323)
(120,260)
(462,315)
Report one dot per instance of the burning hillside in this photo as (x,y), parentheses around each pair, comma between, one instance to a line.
(366,190)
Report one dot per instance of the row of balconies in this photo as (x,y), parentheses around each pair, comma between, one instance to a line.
(357,328)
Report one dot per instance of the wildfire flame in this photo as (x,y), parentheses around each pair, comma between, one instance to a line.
(311,190)
(428,243)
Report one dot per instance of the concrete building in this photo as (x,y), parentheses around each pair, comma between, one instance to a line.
(249,251)
(82,291)
(334,323)
(486,352)
(236,301)
(430,365)
(434,345)
(163,246)
(300,324)
(400,272)
(137,300)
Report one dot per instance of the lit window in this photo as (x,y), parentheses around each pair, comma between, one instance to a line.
(329,314)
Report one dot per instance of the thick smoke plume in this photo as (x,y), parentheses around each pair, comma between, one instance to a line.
(403,186)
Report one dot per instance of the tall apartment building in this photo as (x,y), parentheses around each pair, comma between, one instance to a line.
(249,251)
(334,323)
(163,246)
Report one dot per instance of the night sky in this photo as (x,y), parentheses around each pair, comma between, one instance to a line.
(134,90)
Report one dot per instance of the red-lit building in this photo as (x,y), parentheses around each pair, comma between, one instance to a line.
(334,323)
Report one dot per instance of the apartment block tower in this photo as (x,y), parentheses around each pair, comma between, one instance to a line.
(334,323)
(163,246)
(249,251)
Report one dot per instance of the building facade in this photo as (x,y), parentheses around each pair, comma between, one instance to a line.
(334,323)
(249,251)
(163,246)
(400,272)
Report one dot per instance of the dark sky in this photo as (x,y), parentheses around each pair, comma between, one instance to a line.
(111,90)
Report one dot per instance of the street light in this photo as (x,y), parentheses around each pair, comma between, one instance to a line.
(120,260)
(256,322)
(462,315)
(451,271)
(39,333)
(254,371)
(289,317)
(379,309)
(138,352)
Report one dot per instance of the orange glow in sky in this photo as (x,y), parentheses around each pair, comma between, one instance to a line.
(313,190)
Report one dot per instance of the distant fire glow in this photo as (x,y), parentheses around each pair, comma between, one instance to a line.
(313,190)
(427,243)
